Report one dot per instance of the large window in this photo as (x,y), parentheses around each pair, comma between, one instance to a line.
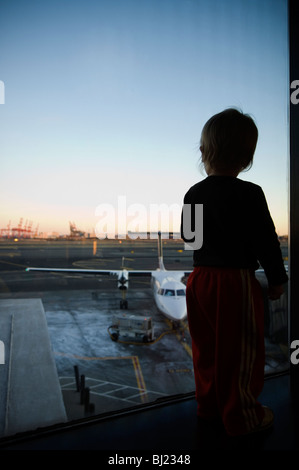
(101,108)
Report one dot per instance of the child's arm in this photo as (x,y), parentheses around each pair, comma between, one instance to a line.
(268,248)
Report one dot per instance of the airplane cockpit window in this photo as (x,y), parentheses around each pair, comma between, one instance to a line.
(101,109)
(181,292)
(169,292)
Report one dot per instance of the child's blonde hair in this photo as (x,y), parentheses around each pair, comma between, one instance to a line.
(228,141)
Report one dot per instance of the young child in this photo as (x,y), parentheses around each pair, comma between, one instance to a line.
(224,299)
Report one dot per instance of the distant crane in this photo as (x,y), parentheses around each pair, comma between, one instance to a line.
(17,231)
(36,231)
(26,232)
(5,232)
(74,232)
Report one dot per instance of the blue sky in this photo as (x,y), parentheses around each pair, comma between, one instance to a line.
(108,98)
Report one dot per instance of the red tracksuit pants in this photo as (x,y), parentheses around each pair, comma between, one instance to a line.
(226,321)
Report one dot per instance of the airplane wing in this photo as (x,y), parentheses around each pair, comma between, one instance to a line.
(124,272)
(108,272)
(111,272)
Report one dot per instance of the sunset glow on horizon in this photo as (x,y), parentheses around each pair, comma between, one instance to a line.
(107,99)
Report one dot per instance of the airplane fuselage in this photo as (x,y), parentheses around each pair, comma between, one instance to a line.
(169,294)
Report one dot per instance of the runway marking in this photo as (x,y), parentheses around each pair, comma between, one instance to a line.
(93,263)
(95,386)
(13,264)
(140,379)
(135,362)
(186,346)
(11,254)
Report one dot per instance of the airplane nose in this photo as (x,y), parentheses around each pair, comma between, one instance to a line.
(178,310)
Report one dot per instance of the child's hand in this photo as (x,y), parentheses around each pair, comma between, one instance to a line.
(275,292)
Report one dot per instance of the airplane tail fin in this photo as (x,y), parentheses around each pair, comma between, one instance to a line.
(160,252)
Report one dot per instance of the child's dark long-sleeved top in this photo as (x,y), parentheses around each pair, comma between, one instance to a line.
(238,231)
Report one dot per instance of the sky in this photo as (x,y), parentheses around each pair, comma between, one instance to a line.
(104,103)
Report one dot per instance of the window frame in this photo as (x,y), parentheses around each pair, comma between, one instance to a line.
(293,10)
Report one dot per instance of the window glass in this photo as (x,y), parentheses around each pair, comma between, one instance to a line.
(101,110)
(180,292)
(169,292)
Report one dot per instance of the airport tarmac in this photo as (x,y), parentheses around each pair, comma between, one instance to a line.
(79,310)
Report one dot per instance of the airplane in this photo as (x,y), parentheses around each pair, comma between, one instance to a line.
(168,289)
